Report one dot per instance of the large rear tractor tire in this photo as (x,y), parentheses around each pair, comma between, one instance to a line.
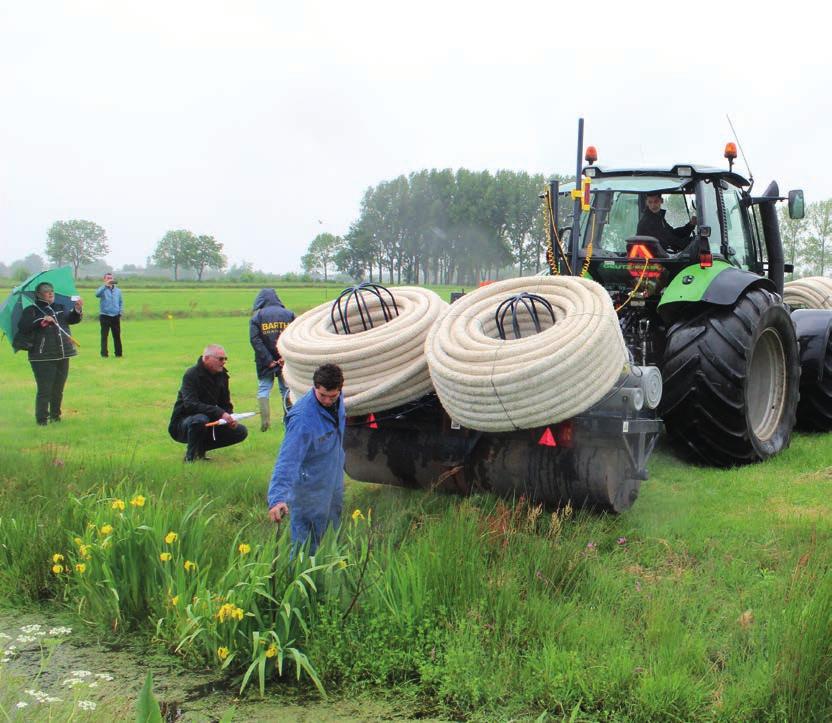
(814,413)
(731,377)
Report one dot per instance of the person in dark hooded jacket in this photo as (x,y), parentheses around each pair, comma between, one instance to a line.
(653,223)
(43,330)
(268,321)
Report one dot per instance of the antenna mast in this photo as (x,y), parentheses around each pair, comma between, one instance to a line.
(742,152)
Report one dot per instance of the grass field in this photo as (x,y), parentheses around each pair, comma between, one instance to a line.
(710,600)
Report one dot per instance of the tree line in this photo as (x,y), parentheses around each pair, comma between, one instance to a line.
(440,227)
(807,242)
(79,242)
(431,227)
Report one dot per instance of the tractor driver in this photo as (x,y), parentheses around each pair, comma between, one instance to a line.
(653,223)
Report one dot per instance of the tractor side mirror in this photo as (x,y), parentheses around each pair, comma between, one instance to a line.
(796,205)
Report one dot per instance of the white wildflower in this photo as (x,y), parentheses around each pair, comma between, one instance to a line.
(26,639)
(86,704)
(80,674)
(21,704)
(94,684)
(3,636)
(72,682)
(50,699)
(103,676)
(32,629)
(60,630)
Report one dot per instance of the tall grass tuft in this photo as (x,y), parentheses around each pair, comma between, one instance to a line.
(136,562)
(803,677)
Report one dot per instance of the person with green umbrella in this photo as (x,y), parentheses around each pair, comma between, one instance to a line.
(43,329)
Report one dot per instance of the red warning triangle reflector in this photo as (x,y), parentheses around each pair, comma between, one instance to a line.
(371,421)
(547,439)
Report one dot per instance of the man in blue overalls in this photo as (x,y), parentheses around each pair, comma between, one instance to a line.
(308,478)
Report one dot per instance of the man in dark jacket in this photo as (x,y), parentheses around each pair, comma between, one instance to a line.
(269,320)
(43,330)
(653,223)
(205,397)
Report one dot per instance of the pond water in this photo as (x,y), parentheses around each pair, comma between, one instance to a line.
(184,695)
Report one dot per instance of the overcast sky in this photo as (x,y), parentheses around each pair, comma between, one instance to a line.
(262,123)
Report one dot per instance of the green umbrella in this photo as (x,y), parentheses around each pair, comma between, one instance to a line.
(24,295)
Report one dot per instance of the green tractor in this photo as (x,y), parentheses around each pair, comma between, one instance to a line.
(703,302)
(716,357)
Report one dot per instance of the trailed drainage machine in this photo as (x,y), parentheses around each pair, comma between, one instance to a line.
(714,351)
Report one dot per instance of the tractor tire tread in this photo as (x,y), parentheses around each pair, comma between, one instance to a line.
(705,368)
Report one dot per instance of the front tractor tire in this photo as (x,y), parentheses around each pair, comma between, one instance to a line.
(731,377)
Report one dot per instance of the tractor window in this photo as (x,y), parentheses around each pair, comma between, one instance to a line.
(676,210)
(612,220)
(760,252)
(735,231)
(615,216)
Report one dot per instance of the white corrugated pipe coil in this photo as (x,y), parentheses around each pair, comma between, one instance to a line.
(812,292)
(383,366)
(496,385)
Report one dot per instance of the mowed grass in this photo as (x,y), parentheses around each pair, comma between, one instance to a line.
(709,600)
(231,300)
(227,300)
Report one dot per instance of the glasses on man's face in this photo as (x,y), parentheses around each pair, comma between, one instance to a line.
(221,358)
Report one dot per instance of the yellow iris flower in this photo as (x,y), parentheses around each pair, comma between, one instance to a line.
(230,611)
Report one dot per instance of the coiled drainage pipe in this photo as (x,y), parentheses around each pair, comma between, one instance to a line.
(382,358)
(497,385)
(812,292)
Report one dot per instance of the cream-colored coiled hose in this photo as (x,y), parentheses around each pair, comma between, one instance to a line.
(812,292)
(383,366)
(496,385)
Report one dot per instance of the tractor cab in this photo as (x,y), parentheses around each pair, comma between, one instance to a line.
(709,211)
(703,207)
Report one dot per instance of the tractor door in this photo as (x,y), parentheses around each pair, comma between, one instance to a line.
(743,250)
(732,238)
